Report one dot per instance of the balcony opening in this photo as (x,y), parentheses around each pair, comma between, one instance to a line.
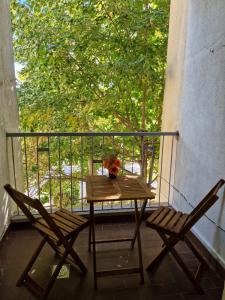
(89,66)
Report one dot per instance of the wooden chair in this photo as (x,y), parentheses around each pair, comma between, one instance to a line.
(59,230)
(173,226)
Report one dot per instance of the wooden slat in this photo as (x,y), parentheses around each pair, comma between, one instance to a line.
(146,188)
(133,187)
(63,230)
(71,225)
(45,230)
(63,227)
(161,216)
(71,219)
(208,200)
(205,206)
(167,219)
(73,215)
(174,220)
(177,228)
(101,188)
(154,215)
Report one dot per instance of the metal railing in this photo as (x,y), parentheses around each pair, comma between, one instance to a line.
(53,166)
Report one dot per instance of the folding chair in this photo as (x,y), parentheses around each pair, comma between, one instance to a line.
(59,230)
(173,226)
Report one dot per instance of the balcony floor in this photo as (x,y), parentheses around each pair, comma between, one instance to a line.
(167,283)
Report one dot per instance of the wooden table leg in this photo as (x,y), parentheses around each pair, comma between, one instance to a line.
(137,230)
(89,236)
(139,223)
(92,225)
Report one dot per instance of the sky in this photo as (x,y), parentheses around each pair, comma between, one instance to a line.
(18,68)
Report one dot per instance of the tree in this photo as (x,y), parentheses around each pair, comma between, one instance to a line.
(90,65)
(87,66)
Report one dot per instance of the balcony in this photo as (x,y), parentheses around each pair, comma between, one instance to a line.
(52,167)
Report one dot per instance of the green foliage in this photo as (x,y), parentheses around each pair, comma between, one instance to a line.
(90,65)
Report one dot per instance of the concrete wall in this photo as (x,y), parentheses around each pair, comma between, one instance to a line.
(8,107)
(173,89)
(194,104)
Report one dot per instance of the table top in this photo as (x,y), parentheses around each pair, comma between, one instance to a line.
(128,187)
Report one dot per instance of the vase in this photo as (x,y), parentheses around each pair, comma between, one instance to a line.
(112,176)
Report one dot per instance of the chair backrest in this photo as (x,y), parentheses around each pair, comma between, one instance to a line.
(203,206)
(23,201)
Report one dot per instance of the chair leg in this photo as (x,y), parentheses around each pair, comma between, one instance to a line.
(154,264)
(193,249)
(78,261)
(30,283)
(54,275)
(31,262)
(69,246)
(187,272)
(182,264)
(53,245)
(139,222)
(68,251)
(139,241)
(198,256)
(89,238)
(165,250)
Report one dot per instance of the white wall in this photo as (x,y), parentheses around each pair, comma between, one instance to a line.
(8,108)
(194,104)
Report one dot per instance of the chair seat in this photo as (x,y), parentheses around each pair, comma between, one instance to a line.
(167,220)
(67,222)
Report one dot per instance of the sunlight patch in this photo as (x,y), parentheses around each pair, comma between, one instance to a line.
(64,272)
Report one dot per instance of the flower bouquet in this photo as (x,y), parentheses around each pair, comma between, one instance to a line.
(113,165)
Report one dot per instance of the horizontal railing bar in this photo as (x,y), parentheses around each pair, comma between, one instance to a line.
(43,149)
(128,211)
(49,134)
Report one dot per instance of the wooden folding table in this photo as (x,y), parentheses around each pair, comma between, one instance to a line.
(103,189)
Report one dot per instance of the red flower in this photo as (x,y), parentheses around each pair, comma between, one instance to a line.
(113,170)
(117,163)
(112,164)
